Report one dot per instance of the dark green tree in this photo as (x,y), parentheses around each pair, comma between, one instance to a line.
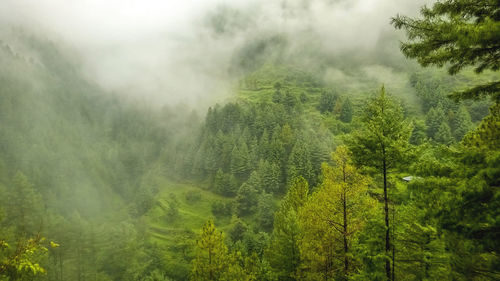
(382,143)
(283,250)
(247,196)
(270,176)
(299,162)
(418,135)
(461,123)
(456,33)
(346,111)
(327,102)
(433,120)
(443,134)
(265,211)
(212,256)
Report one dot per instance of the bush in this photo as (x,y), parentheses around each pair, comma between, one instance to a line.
(219,208)
(192,196)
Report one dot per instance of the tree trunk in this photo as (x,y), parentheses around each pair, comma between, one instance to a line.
(346,249)
(387,232)
(393,241)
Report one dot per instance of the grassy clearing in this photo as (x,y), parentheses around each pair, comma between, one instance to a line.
(192,214)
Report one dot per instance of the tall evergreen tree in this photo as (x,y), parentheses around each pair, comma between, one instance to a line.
(346,111)
(327,102)
(382,144)
(332,219)
(433,120)
(212,256)
(299,162)
(283,251)
(461,123)
(443,134)
(456,33)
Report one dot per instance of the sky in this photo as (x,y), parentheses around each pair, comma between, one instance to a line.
(167,50)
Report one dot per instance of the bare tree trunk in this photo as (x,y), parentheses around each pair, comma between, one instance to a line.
(387,230)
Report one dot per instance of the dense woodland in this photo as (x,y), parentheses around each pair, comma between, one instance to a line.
(289,179)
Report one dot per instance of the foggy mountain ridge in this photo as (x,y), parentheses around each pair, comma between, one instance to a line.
(242,140)
(211,44)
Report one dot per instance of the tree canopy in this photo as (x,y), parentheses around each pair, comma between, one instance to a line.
(458,34)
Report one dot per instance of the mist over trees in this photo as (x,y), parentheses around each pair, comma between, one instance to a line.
(252,140)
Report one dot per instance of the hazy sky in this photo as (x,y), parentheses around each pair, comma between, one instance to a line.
(163,49)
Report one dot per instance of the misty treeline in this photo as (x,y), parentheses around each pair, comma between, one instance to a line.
(304,180)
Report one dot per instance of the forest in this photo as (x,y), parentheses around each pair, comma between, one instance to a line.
(313,162)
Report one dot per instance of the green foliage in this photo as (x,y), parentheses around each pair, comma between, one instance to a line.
(327,102)
(435,117)
(346,111)
(443,134)
(383,137)
(331,221)
(382,144)
(461,123)
(192,196)
(459,33)
(487,134)
(173,207)
(265,211)
(418,135)
(212,260)
(23,261)
(299,163)
(283,252)
(247,196)
(220,208)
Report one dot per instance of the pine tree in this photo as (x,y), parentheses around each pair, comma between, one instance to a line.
(487,134)
(212,256)
(332,219)
(418,135)
(24,206)
(327,102)
(283,252)
(382,144)
(346,111)
(443,135)
(265,211)
(422,250)
(299,162)
(433,120)
(247,196)
(220,184)
(239,161)
(461,123)
(456,33)
(270,176)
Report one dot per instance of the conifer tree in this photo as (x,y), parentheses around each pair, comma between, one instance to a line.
(283,251)
(265,211)
(212,256)
(299,162)
(327,102)
(270,176)
(443,134)
(331,220)
(456,33)
(346,111)
(433,120)
(382,144)
(461,123)
(418,135)
(247,196)
(220,182)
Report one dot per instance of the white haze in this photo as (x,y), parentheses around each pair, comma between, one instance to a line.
(164,50)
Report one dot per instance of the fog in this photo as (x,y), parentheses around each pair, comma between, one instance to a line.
(190,51)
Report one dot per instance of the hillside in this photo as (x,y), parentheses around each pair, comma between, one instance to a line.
(312,168)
